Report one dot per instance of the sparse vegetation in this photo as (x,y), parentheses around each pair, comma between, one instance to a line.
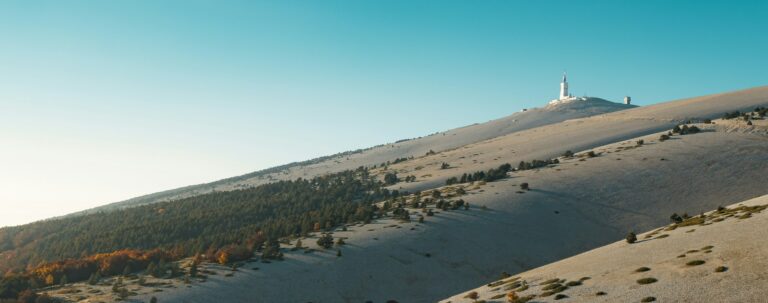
(487,176)
(648,299)
(731,115)
(536,164)
(642,269)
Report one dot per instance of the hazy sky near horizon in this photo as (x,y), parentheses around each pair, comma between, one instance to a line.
(101,101)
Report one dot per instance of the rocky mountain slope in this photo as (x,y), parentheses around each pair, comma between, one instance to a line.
(624,172)
(717,257)
(437,142)
(579,204)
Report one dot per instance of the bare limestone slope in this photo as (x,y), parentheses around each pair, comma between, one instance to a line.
(534,134)
(577,205)
(720,257)
(437,142)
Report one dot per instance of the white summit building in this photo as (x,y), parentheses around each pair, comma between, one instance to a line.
(564,95)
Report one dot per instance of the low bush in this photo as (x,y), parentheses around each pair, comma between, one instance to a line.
(648,299)
(695,262)
(472,295)
(552,286)
(573,283)
(721,269)
(631,238)
(642,269)
(644,281)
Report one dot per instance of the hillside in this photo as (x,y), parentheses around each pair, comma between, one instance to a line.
(603,122)
(574,206)
(437,142)
(717,257)
(612,185)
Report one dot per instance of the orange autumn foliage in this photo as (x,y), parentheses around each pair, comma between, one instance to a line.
(106,264)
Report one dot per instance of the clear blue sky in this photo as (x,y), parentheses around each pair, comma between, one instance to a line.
(105,100)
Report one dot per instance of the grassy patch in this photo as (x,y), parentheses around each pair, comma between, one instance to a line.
(708,247)
(644,281)
(573,283)
(513,286)
(692,221)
